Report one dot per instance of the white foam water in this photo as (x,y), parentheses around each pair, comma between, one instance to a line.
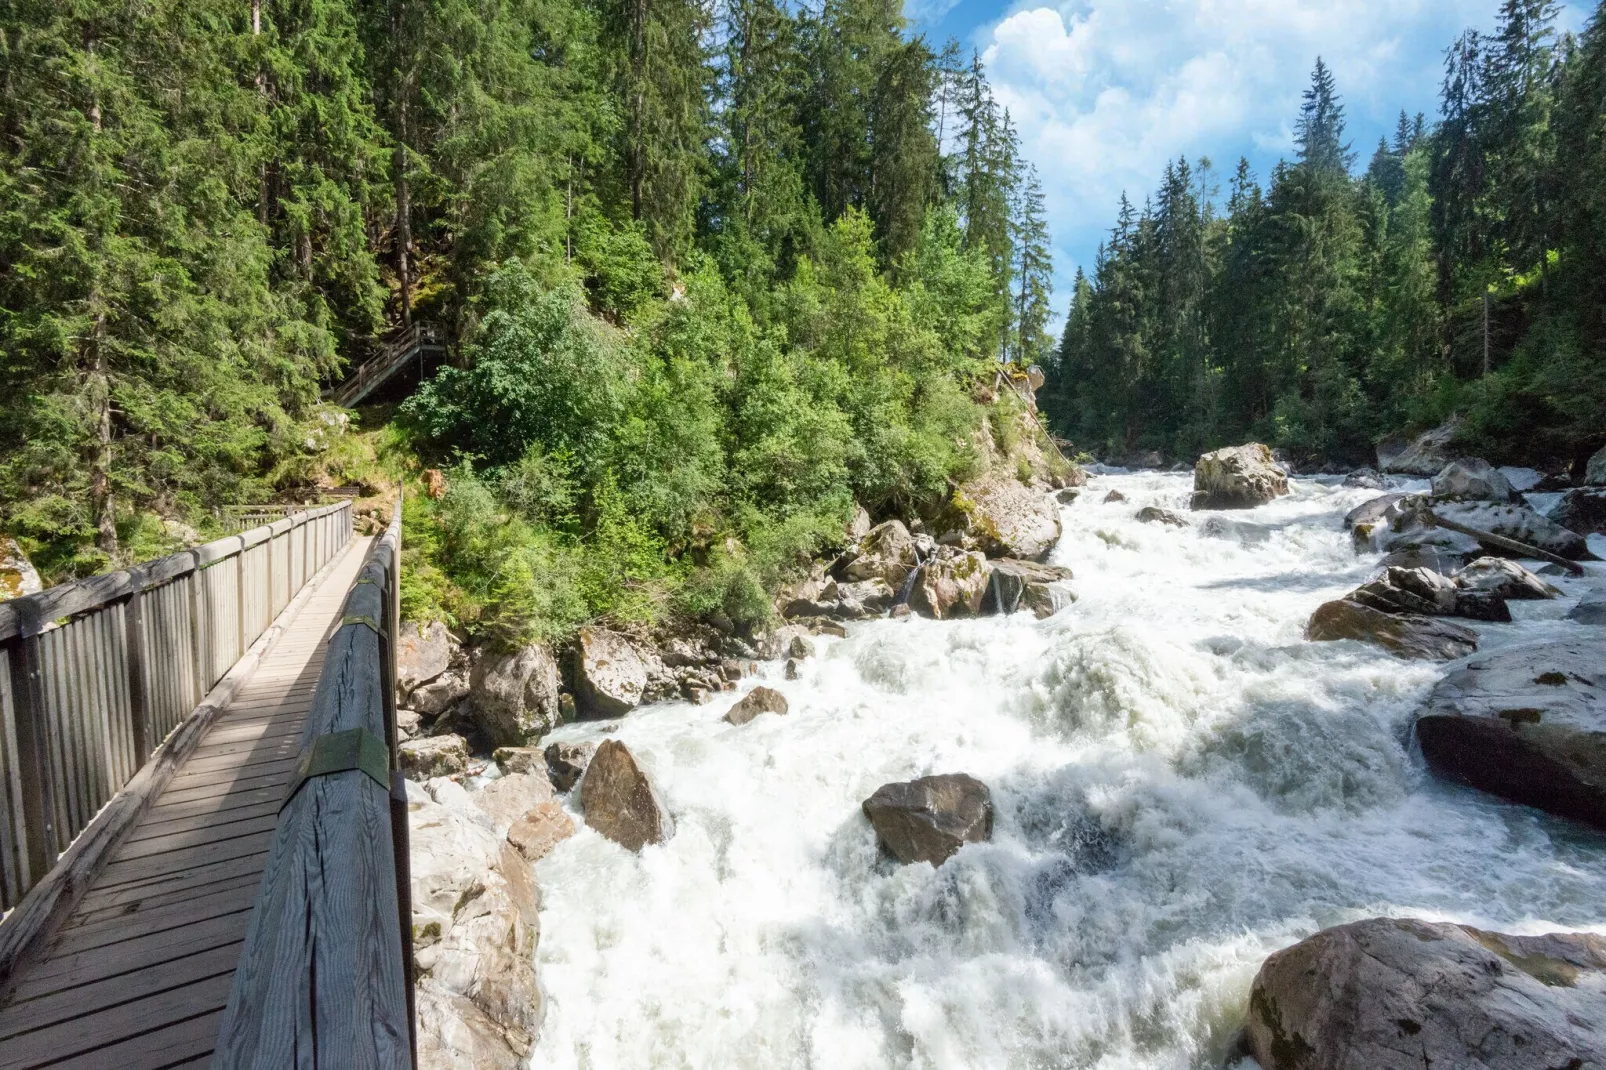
(1182,785)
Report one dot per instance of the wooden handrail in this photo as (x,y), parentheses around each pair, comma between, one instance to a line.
(325,976)
(94,676)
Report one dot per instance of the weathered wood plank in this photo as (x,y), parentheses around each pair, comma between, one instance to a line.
(155,1050)
(181,882)
(131,955)
(231,898)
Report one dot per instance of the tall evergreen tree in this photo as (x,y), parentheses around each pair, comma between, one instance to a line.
(1034,271)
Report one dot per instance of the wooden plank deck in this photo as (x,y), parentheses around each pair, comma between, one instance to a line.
(137,977)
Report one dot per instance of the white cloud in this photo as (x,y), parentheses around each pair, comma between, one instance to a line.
(1104,92)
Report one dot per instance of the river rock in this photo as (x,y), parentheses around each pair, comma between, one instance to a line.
(1582,509)
(514,697)
(1516,522)
(1402,994)
(1433,558)
(609,674)
(432,756)
(1595,471)
(423,652)
(927,820)
(800,647)
(1365,479)
(1482,605)
(1242,532)
(1504,578)
(1409,590)
(1426,455)
(566,763)
(440,694)
(18,577)
(1591,609)
(519,760)
(1067,496)
(1527,723)
(540,829)
(1113,497)
(759,700)
(1237,477)
(886,553)
(620,800)
(511,796)
(1008,518)
(1014,585)
(1472,479)
(1371,512)
(874,595)
(1153,514)
(952,586)
(1406,635)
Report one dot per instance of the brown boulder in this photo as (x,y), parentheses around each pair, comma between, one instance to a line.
(1402,994)
(1153,514)
(951,586)
(620,800)
(566,763)
(1406,635)
(542,828)
(1238,477)
(927,820)
(757,701)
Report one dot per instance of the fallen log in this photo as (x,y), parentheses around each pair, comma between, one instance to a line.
(1514,546)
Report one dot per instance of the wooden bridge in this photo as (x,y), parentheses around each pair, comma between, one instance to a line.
(203,838)
(415,341)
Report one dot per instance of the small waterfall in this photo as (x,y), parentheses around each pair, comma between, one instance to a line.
(910,580)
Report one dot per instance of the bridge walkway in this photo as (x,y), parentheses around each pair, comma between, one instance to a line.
(139,974)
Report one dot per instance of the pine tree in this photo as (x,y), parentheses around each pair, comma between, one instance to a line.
(1320,131)
(1034,270)
(904,161)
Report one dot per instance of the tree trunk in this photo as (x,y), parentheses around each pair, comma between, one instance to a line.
(100,483)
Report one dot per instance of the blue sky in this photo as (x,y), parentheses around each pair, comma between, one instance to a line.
(1104,92)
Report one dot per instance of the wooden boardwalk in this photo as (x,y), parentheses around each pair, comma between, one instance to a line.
(138,976)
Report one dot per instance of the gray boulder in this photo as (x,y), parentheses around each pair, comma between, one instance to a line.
(1516,522)
(1595,471)
(952,586)
(1472,479)
(1409,590)
(1426,455)
(1504,578)
(610,675)
(1008,518)
(1402,994)
(566,763)
(1591,609)
(927,820)
(1365,478)
(1438,560)
(1153,514)
(423,652)
(759,700)
(440,694)
(1371,512)
(1067,496)
(620,800)
(887,553)
(860,525)
(1528,724)
(1406,635)
(1238,477)
(1015,585)
(432,756)
(514,697)
(1582,509)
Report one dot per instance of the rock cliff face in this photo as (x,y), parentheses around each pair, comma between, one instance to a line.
(1400,994)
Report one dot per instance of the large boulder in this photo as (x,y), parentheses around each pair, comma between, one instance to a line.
(566,763)
(1402,994)
(1595,471)
(1409,590)
(439,695)
(1591,609)
(1526,723)
(1407,635)
(927,820)
(514,697)
(1014,585)
(1516,522)
(610,675)
(1426,455)
(1364,478)
(620,800)
(1371,512)
(1505,579)
(887,552)
(952,586)
(433,756)
(1582,509)
(18,577)
(1008,518)
(759,700)
(1472,479)
(423,652)
(511,796)
(1238,477)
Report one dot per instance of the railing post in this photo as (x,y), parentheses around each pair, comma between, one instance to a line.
(239,600)
(138,693)
(33,756)
(199,645)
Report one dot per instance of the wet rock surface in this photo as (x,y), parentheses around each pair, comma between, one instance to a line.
(1516,522)
(1027,585)
(1406,635)
(1425,455)
(1237,477)
(1401,994)
(1526,723)
(1472,479)
(759,700)
(1505,579)
(620,801)
(566,763)
(953,585)
(1153,514)
(928,819)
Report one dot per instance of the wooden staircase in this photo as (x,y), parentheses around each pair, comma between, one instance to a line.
(415,341)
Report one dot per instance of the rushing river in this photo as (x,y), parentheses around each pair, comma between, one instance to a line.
(1182,785)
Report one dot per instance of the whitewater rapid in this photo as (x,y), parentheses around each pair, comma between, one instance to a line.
(1182,785)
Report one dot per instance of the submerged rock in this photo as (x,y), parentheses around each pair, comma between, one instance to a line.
(759,700)
(514,697)
(1505,578)
(1426,455)
(1472,478)
(1407,635)
(566,763)
(1401,994)
(1528,724)
(610,676)
(927,820)
(951,587)
(620,800)
(1015,585)
(1114,496)
(1153,514)
(1238,477)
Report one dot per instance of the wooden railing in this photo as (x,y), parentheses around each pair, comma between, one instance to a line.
(413,341)
(95,675)
(325,975)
